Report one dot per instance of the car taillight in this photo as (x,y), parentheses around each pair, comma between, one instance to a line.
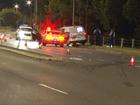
(61,38)
(48,36)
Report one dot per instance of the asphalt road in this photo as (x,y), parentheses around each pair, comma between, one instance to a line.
(85,76)
(77,54)
(28,81)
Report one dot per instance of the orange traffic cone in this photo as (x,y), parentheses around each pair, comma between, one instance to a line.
(132,61)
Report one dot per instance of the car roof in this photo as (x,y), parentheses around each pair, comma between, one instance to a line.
(25,26)
(72,26)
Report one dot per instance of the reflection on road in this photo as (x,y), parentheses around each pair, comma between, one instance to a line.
(21,44)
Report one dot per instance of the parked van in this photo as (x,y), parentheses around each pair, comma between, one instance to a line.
(77,34)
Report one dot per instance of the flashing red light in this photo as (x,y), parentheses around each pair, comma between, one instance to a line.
(47,25)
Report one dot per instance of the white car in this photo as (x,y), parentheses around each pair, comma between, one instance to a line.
(24,32)
(77,34)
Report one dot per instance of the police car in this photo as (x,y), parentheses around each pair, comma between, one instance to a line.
(56,37)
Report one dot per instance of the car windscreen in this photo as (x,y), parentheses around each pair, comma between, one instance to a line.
(76,29)
(26,29)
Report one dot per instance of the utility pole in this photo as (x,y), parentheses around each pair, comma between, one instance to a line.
(73,15)
(35,10)
(29,3)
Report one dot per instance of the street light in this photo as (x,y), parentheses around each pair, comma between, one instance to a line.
(16,6)
(29,2)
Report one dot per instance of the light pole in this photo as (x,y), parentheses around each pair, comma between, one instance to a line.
(35,10)
(73,13)
(16,6)
(29,3)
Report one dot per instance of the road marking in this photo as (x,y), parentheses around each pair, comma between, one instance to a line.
(137,66)
(54,89)
(76,58)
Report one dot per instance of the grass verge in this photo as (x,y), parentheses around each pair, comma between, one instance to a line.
(124,50)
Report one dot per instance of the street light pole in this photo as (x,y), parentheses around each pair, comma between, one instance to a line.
(29,3)
(73,15)
(16,6)
(35,10)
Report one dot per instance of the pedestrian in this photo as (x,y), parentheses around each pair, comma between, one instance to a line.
(111,37)
(97,36)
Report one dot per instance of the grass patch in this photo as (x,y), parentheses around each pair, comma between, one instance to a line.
(124,50)
(5,29)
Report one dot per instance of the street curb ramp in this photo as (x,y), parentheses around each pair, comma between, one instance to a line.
(30,54)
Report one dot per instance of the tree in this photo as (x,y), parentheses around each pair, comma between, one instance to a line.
(60,10)
(132,14)
(9,17)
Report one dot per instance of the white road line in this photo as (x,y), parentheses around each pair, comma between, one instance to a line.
(137,66)
(76,58)
(54,89)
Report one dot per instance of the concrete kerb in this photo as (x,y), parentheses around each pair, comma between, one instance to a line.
(31,54)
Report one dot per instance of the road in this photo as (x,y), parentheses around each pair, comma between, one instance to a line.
(85,77)
(70,53)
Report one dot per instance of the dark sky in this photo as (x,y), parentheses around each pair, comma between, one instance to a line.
(9,3)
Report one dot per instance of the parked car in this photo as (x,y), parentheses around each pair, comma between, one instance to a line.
(77,34)
(24,32)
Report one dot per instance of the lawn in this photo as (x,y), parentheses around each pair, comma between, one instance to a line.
(129,51)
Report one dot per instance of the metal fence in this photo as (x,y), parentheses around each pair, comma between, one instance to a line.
(120,42)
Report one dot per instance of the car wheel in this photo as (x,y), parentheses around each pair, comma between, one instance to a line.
(61,45)
(83,43)
(55,45)
(44,44)
(17,38)
(74,44)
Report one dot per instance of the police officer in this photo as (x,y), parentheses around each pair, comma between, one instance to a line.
(97,33)
(111,37)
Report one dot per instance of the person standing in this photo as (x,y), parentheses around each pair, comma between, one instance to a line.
(97,33)
(111,37)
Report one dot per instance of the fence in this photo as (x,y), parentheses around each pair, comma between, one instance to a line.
(121,42)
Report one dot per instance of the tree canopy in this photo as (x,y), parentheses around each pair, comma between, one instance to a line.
(123,15)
